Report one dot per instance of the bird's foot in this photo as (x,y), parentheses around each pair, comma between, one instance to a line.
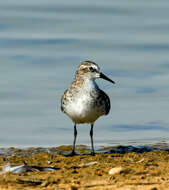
(73,153)
(92,153)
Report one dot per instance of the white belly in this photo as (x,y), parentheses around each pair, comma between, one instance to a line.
(83,110)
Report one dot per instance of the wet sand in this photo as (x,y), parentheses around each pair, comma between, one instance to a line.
(148,170)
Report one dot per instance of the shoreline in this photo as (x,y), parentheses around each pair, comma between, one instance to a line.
(139,169)
(84,149)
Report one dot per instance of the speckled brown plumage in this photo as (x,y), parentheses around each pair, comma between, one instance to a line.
(84,101)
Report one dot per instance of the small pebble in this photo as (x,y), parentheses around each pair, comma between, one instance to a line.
(115,170)
(90,163)
(142,160)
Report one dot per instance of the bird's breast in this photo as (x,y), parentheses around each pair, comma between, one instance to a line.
(83,109)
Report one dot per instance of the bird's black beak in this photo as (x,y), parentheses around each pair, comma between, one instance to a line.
(106,78)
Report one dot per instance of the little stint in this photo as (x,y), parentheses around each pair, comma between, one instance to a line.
(83,101)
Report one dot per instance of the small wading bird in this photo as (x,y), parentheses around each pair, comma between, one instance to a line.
(83,101)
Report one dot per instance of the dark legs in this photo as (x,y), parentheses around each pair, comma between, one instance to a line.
(91,136)
(74,141)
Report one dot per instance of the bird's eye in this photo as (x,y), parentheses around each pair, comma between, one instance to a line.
(91,69)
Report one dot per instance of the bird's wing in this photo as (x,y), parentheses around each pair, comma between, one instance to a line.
(106,99)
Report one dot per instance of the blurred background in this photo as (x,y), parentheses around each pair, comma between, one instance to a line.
(42,43)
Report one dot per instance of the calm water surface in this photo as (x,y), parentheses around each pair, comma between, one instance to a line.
(43,42)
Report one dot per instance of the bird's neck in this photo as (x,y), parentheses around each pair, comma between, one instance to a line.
(90,84)
(86,84)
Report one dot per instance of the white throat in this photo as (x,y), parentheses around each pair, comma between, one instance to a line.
(89,85)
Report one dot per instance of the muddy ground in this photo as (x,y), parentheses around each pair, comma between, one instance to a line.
(136,170)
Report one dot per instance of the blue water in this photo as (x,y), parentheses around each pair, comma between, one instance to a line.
(42,43)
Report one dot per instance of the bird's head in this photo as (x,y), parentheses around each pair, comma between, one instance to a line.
(90,70)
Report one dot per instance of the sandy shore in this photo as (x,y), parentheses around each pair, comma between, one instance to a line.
(131,171)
